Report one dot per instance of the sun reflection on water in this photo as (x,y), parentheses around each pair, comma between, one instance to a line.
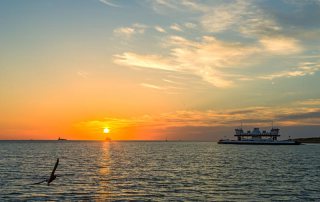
(104,170)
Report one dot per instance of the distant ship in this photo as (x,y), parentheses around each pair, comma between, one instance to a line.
(61,139)
(258,137)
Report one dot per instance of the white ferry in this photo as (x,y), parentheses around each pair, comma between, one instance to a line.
(258,137)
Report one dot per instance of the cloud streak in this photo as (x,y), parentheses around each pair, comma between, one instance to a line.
(128,32)
(109,3)
(147,85)
(160,29)
(304,69)
(145,61)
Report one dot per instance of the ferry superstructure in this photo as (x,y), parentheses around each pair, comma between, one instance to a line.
(257,137)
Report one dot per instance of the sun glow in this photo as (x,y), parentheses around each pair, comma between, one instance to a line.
(106,130)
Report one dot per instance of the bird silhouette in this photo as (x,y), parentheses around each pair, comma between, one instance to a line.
(53,176)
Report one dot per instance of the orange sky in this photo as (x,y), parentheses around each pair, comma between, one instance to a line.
(158,69)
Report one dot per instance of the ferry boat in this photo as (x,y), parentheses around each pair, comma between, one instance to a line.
(258,137)
(61,139)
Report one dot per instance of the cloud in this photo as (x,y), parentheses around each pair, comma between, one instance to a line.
(216,16)
(281,45)
(254,36)
(248,19)
(170,81)
(178,5)
(176,27)
(128,32)
(109,3)
(300,14)
(83,74)
(205,58)
(310,102)
(165,3)
(224,16)
(251,18)
(194,5)
(306,68)
(124,31)
(164,123)
(160,29)
(190,25)
(259,25)
(211,58)
(146,61)
(152,86)
(302,115)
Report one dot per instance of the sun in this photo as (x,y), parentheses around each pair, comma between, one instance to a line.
(106,130)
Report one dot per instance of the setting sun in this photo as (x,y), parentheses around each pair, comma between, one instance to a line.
(106,130)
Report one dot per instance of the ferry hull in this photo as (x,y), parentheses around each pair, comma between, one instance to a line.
(259,142)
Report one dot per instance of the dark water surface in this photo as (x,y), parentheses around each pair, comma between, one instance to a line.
(159,171)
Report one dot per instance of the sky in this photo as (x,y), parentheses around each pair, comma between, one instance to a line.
(157,69)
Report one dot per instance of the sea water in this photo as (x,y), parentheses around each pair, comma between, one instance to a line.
(159,171)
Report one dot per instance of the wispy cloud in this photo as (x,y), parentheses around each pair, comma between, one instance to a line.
(160,29)
(176,27)
(309,102)
(222,17)
(83,74)
(281,45)
(194,5)
(146,61)
(178,5)
(165,3)
(190,25)
(128,32)
(124,31)
(109,3)
(254,35)
(303,69)
(204,59)
(147,85)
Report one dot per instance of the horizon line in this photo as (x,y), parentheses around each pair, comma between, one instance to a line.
(109,141)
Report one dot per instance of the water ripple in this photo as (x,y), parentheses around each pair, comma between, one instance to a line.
(159,171)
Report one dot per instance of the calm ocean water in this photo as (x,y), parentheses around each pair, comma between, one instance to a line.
(159,171)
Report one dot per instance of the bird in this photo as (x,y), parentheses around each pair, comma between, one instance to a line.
(53,176)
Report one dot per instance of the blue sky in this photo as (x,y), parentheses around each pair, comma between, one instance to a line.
(163,66)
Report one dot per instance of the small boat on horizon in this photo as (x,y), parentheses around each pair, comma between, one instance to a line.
(258,137)
(60,139)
